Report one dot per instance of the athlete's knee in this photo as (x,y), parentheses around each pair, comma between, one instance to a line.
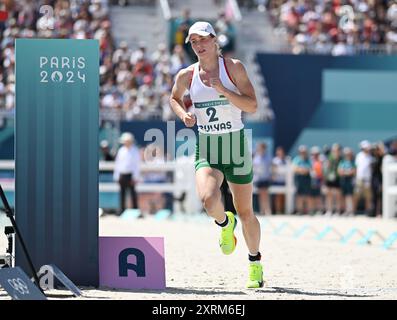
(245,213)
(209,200)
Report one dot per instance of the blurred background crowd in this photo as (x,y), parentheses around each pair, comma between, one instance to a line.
(337,27)
(134,84)
(328,180)
(331,180)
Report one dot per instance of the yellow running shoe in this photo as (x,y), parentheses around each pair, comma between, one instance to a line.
(255,275)
(228,241)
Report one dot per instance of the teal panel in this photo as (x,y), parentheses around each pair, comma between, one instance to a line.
(56,158)
(359,86)
(355,116)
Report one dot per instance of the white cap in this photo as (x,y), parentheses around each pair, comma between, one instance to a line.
(126,136)
(201,28)
(365,144)
(347,150)
(302,148)
(315,150)
(104,144)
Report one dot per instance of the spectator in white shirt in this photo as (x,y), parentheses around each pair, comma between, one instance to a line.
(363,175)
(279,168)
(126,170)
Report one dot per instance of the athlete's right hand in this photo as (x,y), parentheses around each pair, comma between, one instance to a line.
(189,119)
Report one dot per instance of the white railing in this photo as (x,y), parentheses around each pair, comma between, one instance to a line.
(184,181)
(288,189)
(172,187)
(389,187)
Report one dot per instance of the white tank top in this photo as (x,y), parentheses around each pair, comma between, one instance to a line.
(214,113)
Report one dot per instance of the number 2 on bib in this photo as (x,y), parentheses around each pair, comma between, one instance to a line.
(211,112)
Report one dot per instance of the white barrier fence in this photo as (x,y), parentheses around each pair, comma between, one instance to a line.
(183,181)
(389,187)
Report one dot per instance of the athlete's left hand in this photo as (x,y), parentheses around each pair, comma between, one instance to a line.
(216,83)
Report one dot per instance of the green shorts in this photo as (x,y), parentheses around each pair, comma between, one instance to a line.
(227,152)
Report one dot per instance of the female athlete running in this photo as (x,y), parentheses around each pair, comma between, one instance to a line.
(220,90)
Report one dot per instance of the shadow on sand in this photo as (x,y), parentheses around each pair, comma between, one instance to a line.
(295,291)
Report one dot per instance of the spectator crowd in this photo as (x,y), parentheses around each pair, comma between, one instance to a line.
(62,19)
(330,181)
(134,84)
(337,27)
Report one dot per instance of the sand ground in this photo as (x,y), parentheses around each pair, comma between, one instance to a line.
(303,268)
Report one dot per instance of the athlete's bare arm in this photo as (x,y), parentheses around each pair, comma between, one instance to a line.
(182,81)
(246,100)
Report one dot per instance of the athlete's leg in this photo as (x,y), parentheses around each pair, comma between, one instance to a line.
(242,196)
(208,183)
(242,199)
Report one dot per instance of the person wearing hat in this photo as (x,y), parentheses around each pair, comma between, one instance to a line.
(220,91)
(347,172)
(126,170)
(122,53)
(302,167)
